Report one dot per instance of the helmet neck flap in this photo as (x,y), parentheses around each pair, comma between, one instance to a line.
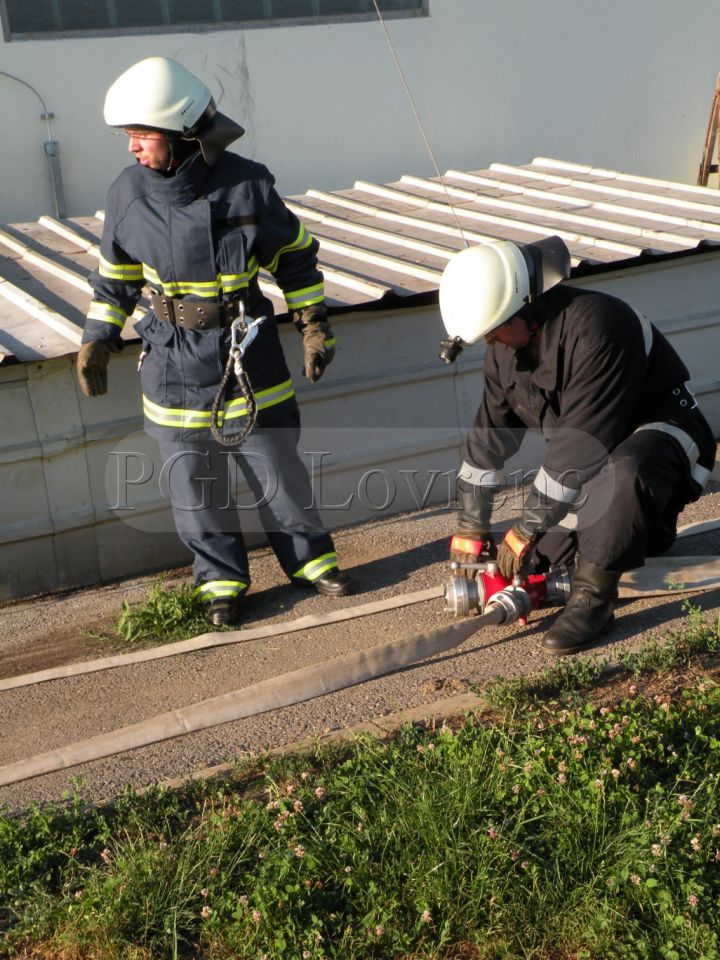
(161,94)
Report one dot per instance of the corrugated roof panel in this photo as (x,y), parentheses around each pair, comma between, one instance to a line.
(583,194)
(610,224)
(379,241)
(646,197)
(400,235)
(524,225)
(581,171)
(82,232)
(23,340)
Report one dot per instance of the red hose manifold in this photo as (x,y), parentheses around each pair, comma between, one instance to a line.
(464,597)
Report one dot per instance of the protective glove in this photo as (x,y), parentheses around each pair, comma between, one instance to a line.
(471,546)
(318,339)
(512,552)
(92,362)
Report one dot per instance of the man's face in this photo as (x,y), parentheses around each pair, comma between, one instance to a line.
(514,333)
(149,148)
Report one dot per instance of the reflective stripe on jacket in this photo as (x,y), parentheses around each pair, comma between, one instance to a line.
(600,372)
(203,234)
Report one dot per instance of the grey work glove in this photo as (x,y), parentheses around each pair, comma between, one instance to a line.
(318,339)
(92,362)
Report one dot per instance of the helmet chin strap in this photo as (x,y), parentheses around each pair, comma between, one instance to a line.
(180,150)
(533,316)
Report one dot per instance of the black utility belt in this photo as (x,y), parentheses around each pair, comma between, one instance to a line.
(194,314)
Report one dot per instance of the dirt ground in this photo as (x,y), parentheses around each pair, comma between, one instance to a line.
(391,556)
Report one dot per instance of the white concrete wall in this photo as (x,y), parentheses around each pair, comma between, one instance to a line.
(377,442)
(374,445)
(615,84)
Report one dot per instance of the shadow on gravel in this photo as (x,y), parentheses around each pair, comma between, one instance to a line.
(663,611)
(366,579)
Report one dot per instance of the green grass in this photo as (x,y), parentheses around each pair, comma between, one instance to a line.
(554,831)
(168,614)
(676,649)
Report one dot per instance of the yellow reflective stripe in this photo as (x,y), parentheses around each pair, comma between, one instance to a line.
(223,283)
(221,588)
(208,289)
(303,240)
(317,567)
(107,313)
(168,417)
(231,282)
(264,399)
(199,419)
(305,297)
(120,271)
(173,288)
(330,342)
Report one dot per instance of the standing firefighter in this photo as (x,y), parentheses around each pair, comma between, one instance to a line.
(196,223)
(626,447)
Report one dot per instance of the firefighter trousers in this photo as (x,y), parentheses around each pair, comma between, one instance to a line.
(628,511)
(201,480)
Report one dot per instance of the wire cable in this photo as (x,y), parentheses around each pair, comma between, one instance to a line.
(419,121)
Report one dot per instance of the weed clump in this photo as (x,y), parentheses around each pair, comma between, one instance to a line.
(169,613)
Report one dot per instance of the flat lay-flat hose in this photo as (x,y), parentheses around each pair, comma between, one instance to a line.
(289,688)
(659,576)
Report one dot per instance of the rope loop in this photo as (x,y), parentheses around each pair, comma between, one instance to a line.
(243,331)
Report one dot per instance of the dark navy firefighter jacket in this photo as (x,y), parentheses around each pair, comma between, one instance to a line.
(602,372)
(201,235)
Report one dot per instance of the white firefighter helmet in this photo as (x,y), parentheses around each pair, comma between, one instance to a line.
(162,94)
(159,93)
(481,287)
(485,285)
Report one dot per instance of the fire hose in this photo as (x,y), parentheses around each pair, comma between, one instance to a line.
(659,576)
(289,688)
(509,604)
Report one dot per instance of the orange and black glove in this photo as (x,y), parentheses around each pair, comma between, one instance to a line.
(512,552)
(471,546)
(471,542)
(318,339)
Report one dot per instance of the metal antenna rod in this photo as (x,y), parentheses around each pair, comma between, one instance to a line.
(419,121)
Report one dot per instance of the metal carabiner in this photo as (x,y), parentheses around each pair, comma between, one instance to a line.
(243,331)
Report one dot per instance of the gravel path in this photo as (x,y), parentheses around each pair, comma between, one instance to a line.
(401,554)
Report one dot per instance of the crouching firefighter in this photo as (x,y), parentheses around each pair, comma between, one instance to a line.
(626,447)
(196,223)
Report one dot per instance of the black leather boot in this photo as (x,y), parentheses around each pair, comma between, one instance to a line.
(588,612)
(224,612)
(334,583)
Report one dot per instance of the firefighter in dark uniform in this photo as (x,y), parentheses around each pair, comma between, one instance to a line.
(626,447)
(197,223)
